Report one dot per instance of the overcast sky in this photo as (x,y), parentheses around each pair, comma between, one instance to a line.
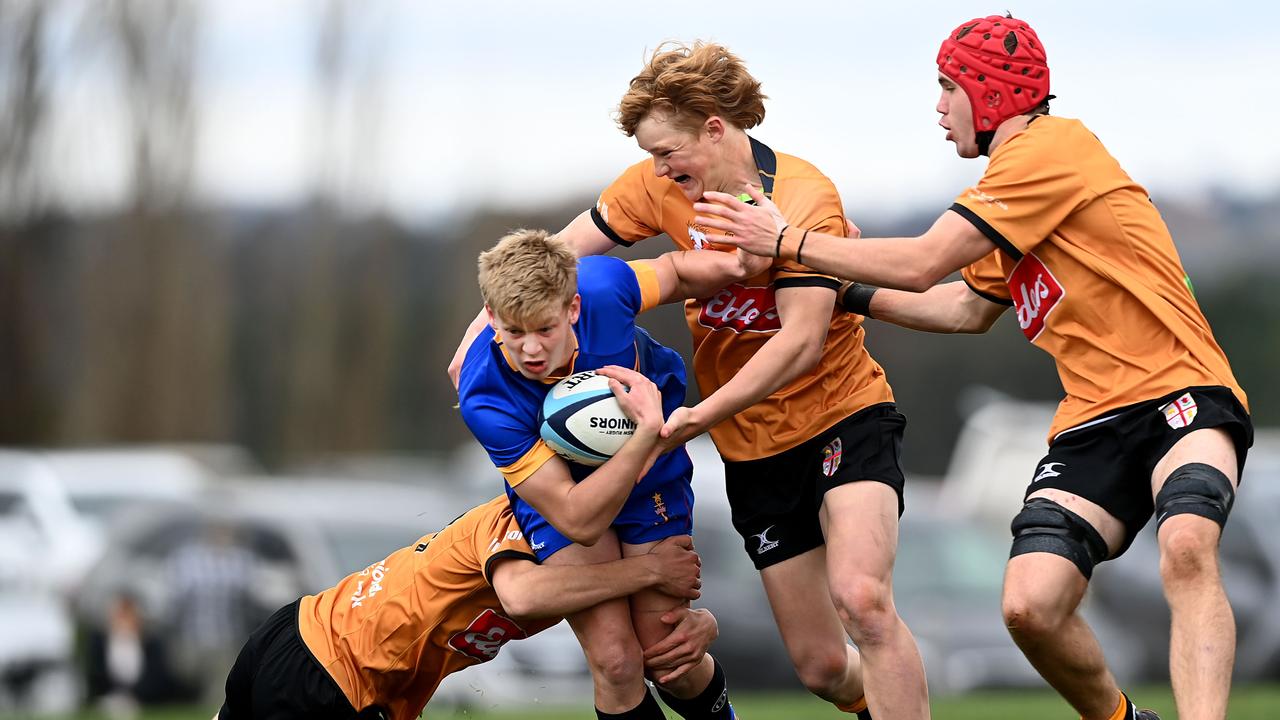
(471,103)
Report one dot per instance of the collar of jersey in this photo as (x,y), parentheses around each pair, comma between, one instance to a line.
(550,379)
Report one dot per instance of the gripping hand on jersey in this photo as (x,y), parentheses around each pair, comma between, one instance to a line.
(753,228)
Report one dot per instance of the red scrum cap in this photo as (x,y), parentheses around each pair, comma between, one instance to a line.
(1000,64)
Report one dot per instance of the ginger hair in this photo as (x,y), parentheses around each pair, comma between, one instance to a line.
(690,84)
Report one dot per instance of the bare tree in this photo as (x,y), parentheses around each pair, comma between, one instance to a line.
(23,104)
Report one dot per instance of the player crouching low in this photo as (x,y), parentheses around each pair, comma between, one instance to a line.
(377,644)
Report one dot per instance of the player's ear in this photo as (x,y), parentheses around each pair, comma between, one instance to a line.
(575,308)
(493,320)
(714,128)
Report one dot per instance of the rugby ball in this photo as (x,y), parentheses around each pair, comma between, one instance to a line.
(582,421)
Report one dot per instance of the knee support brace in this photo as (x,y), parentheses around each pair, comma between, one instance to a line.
(1195,489)
(1045,526)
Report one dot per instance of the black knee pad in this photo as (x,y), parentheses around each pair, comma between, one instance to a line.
(1195,489)
(1045,526)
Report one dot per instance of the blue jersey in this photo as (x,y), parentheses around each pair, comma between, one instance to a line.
(501,406)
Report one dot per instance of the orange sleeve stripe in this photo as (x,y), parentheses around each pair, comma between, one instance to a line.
(520,470)
(647,277)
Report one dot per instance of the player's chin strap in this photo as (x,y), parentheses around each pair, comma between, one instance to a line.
(1195,489)
(984,139)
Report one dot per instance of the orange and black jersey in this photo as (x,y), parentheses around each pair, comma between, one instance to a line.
(1091,271)
(731,326)
(390,633)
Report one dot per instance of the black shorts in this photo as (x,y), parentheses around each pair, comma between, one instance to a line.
(775,500)
(1109,460)
(276,677)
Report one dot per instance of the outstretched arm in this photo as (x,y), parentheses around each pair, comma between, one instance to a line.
(686,274)
(805,313)
(532,591)
(947,308)
(912,263)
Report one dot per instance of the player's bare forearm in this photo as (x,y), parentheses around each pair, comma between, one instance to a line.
(915,264)
(534,591)
(948,308)
(597,500)
(584,511)
(795,350)
(701,273)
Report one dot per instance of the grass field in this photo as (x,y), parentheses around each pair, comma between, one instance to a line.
(1247,703)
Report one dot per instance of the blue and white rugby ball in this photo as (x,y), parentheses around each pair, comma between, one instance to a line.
(582,420)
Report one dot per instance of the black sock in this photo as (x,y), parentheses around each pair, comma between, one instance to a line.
(648,709)
(710,704)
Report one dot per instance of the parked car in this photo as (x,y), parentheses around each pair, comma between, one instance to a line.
(300,536)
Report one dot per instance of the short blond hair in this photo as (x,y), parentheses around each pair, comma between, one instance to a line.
(528,276)
(691,84)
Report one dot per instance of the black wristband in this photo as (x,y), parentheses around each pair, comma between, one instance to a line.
(856,298)
(800,247)
(777,247)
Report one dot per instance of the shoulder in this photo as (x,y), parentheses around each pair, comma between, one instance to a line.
(638,175)
(602,274)
(797,175)
(1046,138)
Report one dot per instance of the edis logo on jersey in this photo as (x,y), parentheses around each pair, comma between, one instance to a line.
(1035,292)
(741,309)
(486,635)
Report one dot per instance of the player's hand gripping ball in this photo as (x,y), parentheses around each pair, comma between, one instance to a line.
(582,421)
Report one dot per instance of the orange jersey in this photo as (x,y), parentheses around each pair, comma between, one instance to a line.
(1091,271)
(390,633)
(731,326)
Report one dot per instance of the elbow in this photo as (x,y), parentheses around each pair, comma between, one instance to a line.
(920,279)
(584,535)
(521,606)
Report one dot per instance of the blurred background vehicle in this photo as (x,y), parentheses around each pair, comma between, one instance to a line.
(205,573)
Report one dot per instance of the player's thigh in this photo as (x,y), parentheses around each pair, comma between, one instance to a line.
(605,626)
(648,606)
(860,523)
(1108,526)
(802,608)
(1211,446)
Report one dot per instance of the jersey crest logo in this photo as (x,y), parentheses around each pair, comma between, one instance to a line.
(698,237)
(1181,412)
(660,509)
(1035,292)
(741,309)
(765,543)
(831,457)
(486,635)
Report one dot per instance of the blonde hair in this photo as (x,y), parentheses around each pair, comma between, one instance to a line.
(692,84)
(528,276)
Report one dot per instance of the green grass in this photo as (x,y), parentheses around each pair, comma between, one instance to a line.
(1257,702)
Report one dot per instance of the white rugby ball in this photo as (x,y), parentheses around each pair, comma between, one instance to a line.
(582,420)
